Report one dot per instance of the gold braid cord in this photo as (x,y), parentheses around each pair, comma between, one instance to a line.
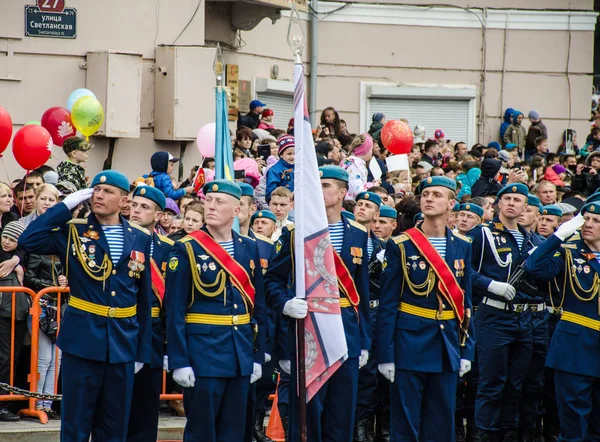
(96,272)
(428,284)
(572,277)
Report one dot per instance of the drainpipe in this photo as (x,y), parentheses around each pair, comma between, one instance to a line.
(314,45)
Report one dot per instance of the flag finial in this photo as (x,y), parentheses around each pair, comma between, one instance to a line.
(296,38)
(218,65)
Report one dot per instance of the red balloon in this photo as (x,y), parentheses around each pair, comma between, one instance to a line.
(5,129)
(57,121)
(397,137)
(32,146)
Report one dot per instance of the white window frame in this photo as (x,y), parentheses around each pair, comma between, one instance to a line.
(420,91)
(266,85)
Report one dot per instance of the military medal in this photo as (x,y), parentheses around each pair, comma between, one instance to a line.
(586,269)
(199,268)
(203,257)
(92,234)
(136,264)
(414,266)
(212,266)
(579,269)
(356,252)
(422,265)
(204,267)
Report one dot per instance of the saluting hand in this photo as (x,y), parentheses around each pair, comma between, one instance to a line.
(74,199)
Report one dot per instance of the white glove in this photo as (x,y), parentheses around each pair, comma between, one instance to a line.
(465,367)
(296,308)
(363,359)
(256,373)
(138,367)
(184,377)
(76,198)
(286,366)
(388,370)
(503,289)
(166,363)
(267,357)
(567,229)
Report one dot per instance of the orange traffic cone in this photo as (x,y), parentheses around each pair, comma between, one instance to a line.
(274,427)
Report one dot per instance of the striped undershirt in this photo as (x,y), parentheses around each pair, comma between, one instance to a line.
(228,246)
(440,245)
(518,236)
(370,247)
(336,233)
(114,237)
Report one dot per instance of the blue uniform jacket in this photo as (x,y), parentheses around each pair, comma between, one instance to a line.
(413,342)
(87,335)
(378,246)
(213,350)
(280,287)
(574,348)
(485,267)
(160,254)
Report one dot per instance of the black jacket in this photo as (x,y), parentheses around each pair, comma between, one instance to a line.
(585,183)
(41,271)
(250,120)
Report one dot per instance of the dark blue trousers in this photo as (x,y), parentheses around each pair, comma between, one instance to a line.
(143,419)
(96,399)
(551,420)
(216,409)
(422,406)
(578,400)
(504,346)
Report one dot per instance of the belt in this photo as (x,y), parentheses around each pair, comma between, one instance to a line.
(580,320)
(201,318)
(155,312)
(537,307)
(517,308)
(426,312)
(345,302)
(374,303)
(102,310)
(555,310)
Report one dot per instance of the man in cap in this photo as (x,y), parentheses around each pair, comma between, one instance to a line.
(530,216)
(247,207)
(503,321)
(215,301)
(252,118)
(264,222)
(147,208)
(106,332)
(327,418)
(468,217)
(550,220)
(385,224)
(423,339)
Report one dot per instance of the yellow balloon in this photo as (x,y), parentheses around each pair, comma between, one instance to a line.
(87,115)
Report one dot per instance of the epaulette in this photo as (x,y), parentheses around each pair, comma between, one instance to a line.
(291,226)
(463,237)
(140,228)
(498,226)
(185,239)
(166,240)
(78,221)
(264,238)
(575,237)
(357,225)
(400,238)
(569,246)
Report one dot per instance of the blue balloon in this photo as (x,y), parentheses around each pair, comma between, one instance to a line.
(76,95)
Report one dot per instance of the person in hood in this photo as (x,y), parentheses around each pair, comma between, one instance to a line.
(536,130)
(467,181)
(507,121)
(487,184)
(515,133)
(375,130)
(281,174)
(162,166)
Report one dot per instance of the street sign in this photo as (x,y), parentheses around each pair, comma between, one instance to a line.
(39,23)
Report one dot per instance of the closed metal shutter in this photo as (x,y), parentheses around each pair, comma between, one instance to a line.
(282,106)
(452,116)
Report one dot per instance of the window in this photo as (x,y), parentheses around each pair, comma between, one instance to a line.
(278,96)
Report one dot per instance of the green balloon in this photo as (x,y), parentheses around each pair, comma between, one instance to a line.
(33,122)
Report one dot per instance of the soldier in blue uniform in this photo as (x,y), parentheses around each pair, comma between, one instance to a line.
(573,260)
(385,224)
(422,339)
(215,319)
(147,207)
(330,413)
(549,220)
(106,331)
(264,222)
(503,321)
(369,397)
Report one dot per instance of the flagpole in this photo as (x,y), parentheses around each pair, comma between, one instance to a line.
(296,41)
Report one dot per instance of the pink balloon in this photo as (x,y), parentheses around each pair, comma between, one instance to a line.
(205,141)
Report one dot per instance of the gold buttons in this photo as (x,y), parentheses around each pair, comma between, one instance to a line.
(112,312)
(114,272)
(113,293)
(235,328)
(234,305)
(235,320)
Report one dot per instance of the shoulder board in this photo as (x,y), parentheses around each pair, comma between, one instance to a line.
(78,221)
(400,239)
(264,238)
(575,237)
(166,240)
(569,246)
(247,237)
(185,239)
(499,226)
(291,226)
(140,228)
(463,237)
(357,225)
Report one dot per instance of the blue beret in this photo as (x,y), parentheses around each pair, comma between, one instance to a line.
(348,215)
(267,214)
(510,146)
(494,145)
(473,208)
(593,207)
(519,188)
(334,173)
(551,209)
(112,178)
(247,189)
(593,197)
(533,200)
(369,196)
(223,186)
(387,212)
(456,207)
(153,194)
(437,181)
